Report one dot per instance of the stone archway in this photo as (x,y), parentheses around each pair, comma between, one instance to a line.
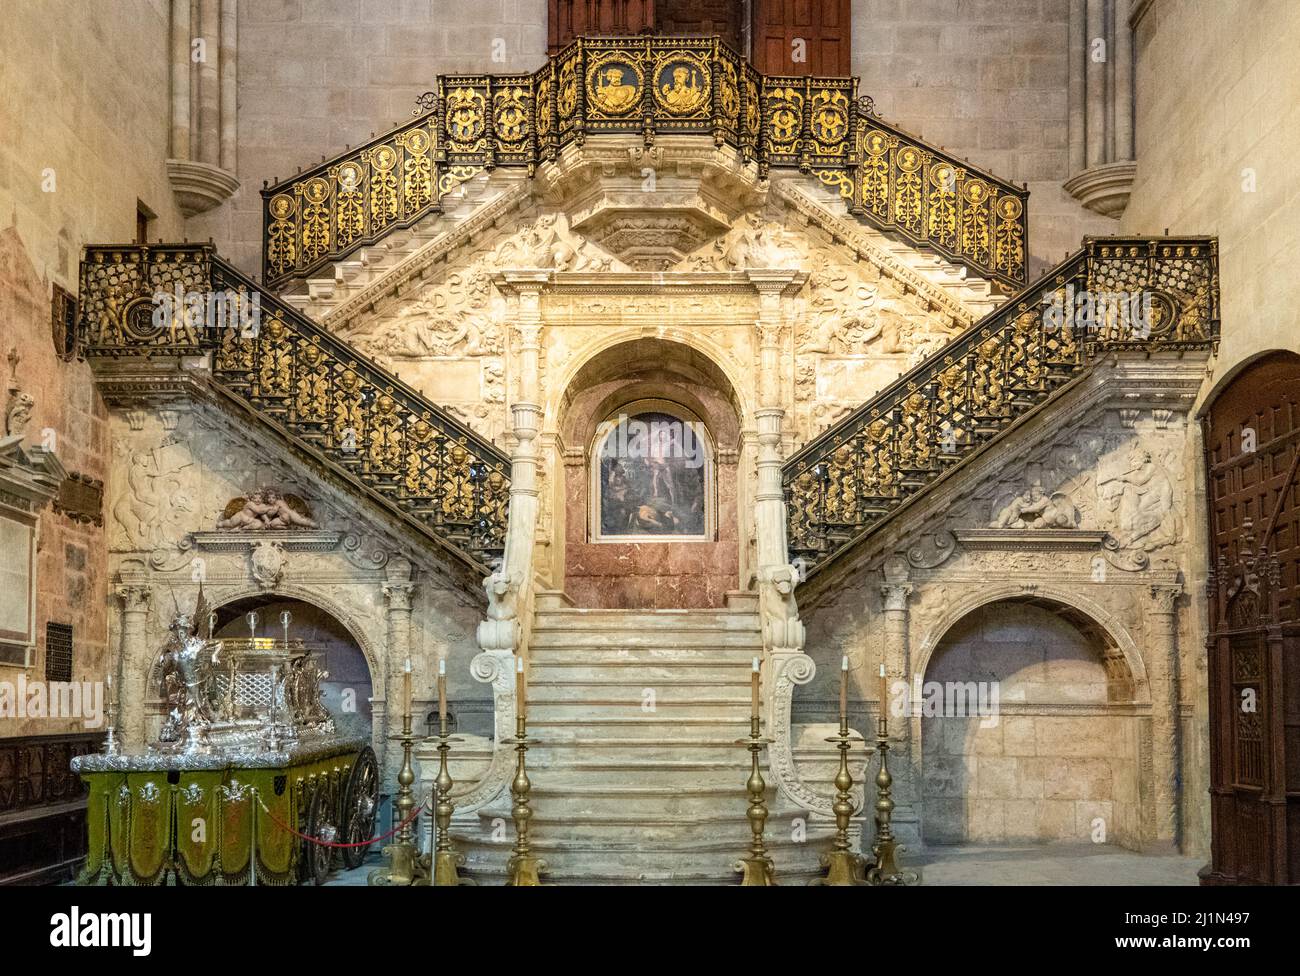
(1052,749)
(657,551)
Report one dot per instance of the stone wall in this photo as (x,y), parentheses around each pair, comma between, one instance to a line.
(1218,134)
(988,81)
(1058,763)
(318,75)
(84,123)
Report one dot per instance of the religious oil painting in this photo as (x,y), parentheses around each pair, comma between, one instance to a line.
(653,480)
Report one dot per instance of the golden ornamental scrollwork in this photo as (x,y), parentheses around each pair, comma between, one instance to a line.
(353,414)
(830,121)
(545,114)
(465,119)
(785,119)
(645,86)
(510,116)
(947,406)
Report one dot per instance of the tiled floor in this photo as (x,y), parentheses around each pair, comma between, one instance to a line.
(1028,865)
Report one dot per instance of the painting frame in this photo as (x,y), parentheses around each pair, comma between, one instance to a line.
(603,510)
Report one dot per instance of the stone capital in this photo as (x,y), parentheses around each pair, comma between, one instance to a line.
(135,597)
(1164,598)
(895,595)
(398,595)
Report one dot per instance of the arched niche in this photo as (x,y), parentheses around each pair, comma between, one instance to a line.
(343,650)
(1029,730)
(655,567)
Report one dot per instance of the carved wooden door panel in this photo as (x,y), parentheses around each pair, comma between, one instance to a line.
(802,37)
(1252,444)
(721,17)
(567,19)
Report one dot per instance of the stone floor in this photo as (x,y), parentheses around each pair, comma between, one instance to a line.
(1056,864)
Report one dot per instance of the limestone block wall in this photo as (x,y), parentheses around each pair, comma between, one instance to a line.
(1058,764)
(988,81)
(84,124)
(1218,134)
(318,75)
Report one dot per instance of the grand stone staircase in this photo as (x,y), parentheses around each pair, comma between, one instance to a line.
(636,773)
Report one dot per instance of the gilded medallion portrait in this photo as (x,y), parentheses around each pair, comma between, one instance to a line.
(613,87)
(681,86)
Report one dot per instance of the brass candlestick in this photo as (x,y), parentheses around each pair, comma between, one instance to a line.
(446,860)
(523,870)
(843,865)
(885,870)
(405,865)
(757,868)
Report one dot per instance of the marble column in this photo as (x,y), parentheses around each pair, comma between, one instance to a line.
(1162,676)
(398,590)
(769,501)
(904,731)
(133,662)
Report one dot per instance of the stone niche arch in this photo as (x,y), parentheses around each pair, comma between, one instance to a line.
(1060,759)
(662,376)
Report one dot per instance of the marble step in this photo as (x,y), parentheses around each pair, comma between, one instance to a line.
(638,865)
(654,620)
(639,672)
(683,685)
(666,709)
(669,731)
(555,639)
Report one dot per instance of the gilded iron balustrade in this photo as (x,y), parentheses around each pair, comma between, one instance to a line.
(646,86)
(1115,294)
(329,401)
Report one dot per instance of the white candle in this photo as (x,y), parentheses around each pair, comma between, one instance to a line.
(442,666)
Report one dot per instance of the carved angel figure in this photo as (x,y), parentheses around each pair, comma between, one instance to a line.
(266,508)
(185,670)
(1035,509)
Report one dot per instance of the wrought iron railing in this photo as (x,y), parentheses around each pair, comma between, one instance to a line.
(1114,294)
(646,86)
(330,401)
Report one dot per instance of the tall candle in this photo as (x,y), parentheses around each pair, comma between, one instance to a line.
(442,692)
(519,687)
(844,690)
(754,688)
(406,687)
(883,695)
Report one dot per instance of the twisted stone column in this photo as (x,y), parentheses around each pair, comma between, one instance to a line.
(1162,675)
(133,663)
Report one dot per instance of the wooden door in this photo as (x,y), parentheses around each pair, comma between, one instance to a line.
(802,37)
(1252,444)
(701,17)
(567,19)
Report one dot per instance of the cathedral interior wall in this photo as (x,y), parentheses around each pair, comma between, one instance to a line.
(85,141)
(1218,137)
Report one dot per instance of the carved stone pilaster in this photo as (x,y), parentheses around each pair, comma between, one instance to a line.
(398,591)
(1162,674)
(896,593)
(133,661)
